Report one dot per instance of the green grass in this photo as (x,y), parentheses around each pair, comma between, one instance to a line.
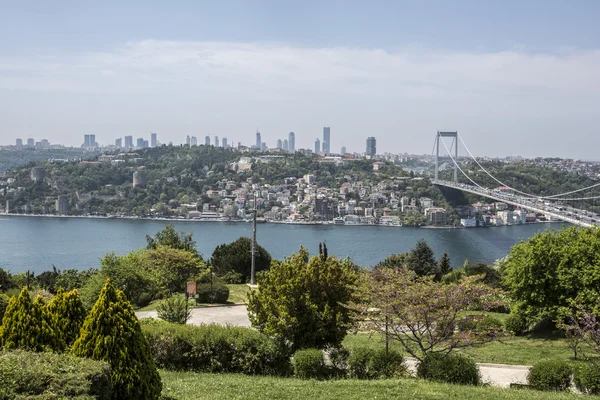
(199,386)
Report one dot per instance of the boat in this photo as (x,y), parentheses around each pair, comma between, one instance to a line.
(338,221)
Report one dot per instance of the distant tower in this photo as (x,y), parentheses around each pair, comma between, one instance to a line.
(119,143)
(292,142)
(207,140)
(258,140)
(317,146)
(286,145)
(140,143)
(194,141)
(216,141)
(188,141)
(31,143)
(153,141)
(343,150)
(19,143)
(62,204)
(38,174)
(371,146)
(93,141)
(224,142)
(326,140)
(263,146)
(279,144)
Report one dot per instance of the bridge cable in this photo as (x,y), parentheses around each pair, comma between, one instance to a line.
(458,166)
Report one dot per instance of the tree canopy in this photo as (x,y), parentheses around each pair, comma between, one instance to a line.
(236,257)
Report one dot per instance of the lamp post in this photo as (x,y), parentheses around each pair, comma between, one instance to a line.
(253,248)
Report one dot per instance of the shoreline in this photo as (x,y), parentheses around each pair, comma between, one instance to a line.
(237,221)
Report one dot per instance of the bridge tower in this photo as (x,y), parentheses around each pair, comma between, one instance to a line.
(454,144)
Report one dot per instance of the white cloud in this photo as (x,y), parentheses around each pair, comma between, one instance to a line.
(398,96)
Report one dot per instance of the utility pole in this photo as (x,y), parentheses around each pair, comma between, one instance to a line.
(253,249)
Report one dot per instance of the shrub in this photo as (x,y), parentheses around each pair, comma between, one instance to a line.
(3,304)
(49,375)
(112,333)
(174,309)
(232,278)
(387,364)
(359,363)
(218,294)
(587,378)
(214,348)
(310,364)
(550,375)
(68,315)
(143,300)
(449,368)
(516,324)
(479,323)
(338,357)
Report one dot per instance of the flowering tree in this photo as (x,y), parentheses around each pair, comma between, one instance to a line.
(422,314)
(580,326)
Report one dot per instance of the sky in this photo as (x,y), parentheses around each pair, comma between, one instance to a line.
(512,77)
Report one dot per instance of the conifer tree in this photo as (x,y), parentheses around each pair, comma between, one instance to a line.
(111,332)
(443,267)
(28,325)
(68,314)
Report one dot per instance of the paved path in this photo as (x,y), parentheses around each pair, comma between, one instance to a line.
(237,315)
(223,315)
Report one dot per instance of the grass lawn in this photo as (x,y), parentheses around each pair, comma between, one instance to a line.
(198,386)
(238,294)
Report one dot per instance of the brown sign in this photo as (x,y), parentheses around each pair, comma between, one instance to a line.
(191,288)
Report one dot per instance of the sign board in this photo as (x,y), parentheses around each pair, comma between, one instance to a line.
(191,288)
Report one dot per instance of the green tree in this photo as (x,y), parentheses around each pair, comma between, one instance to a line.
(393,261)
(301,301)
(112,333)
(443,267)
(28,325)
(554,270)
(171,238)
(236,257)
(68,315)
(5,280)
(421,260)
(173,267)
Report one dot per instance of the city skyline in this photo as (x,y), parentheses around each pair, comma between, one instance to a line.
(507,91)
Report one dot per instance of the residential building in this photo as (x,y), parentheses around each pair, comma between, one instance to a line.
(140,143)
(19,143)
(371,146)
(292,142)
(194,141)
(31,143)
(468,222)
(279,144)
(436,215)
(188,140)
(317,146)
(128,142)
(224,142)
(286,145)
(207,140)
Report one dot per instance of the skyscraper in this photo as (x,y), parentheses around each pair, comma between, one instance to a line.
(188,141)
(153,142)
(292,142)
(140,143)
(371,146)
(20,143)
(224,142)
(279,144)
(286,145)
(31,143)
(119,143)
(343,150)
(194,141)
(326,140)
(258,141)
(263,146)
(216,141)
(317,146)
(207,140)
(128,142)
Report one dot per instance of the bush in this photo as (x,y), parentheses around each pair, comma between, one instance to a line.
(174,309)
(338,357)
(359,363)
(26,374)
(365,363)
(310,364)
(218,294)
(143,300)
(479,323)
(516,324)
(232,278)
(587,378)
(3,303)
(550,375)
(214,348)
(449,368)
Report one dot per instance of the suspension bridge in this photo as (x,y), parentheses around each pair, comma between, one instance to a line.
(554,207)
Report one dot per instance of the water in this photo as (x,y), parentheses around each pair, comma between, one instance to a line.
(38,243)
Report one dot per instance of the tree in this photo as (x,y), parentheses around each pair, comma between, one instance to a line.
(112,333)
(300,301)
(5,280)
(28,325)
(554,270)
(172,268)
(68,315)
(47,279)
(393,261)
(174,309)
(170,238)
(443,267)
(421,260)
(236,257)
(422,314)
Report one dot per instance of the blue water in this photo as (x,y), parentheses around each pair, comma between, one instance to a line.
(37,243)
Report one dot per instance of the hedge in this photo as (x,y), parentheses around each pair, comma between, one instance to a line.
(550,375)
(449,368)
(310,364)
(52,376)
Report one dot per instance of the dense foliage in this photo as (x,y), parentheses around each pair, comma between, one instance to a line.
(587,378)
(217,293)
(310,364)
(68,314)
(237,257)
(52,376)
(367,363)
(174,309)
(301,301)
(550,375)
(449,368)
(111,332)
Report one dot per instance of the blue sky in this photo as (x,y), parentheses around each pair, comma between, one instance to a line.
(514,77)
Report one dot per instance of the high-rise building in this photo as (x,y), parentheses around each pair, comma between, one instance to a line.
(224,142)
(207,140)
(93,141)
(317,146)
(279,144)
(119,143)
(286,145)
(194,141)
(326,140)
(343,150)
(258,140)
(140,143)
(153,142)
(292,142)
(128,142)
(217,144)
(146,144)
(263,146)
(31,143)
(371,146)
(20,143)
(188,140)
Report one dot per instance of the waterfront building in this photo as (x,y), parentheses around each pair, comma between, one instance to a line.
(371,146)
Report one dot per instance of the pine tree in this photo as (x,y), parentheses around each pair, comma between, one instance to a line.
(28,325)
(111,332)
(443,267)
(68,314)
(421,260)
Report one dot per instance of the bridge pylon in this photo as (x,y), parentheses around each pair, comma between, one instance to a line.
(454,145)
